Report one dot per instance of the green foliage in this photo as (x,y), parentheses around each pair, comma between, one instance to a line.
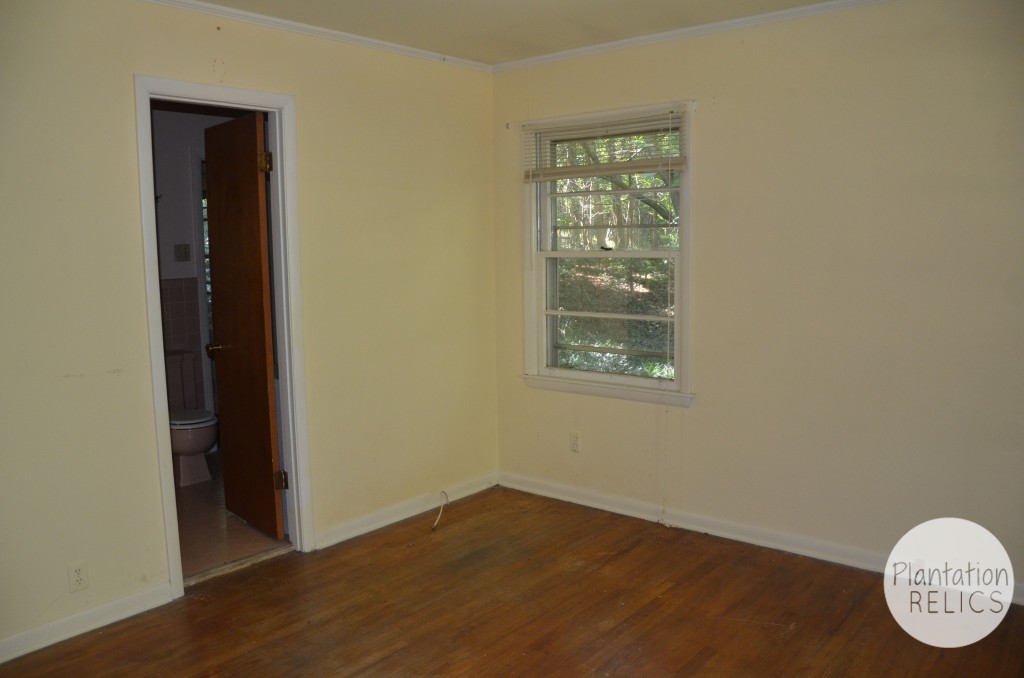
(608,214)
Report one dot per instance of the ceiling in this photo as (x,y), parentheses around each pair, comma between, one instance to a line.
(493,32)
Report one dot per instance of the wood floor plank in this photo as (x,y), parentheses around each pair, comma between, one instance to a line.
(512,584)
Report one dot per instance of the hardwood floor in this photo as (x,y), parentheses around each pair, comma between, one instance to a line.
(516,584)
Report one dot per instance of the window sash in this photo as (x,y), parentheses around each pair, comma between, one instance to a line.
(602,254)
(628,326)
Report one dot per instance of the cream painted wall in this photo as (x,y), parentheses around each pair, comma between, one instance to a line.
(858,287)
(395,208)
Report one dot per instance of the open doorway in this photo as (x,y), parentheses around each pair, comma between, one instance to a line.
(215,535)
(203,106)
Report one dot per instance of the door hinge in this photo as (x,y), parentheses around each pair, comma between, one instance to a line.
(281,480)
(265,161)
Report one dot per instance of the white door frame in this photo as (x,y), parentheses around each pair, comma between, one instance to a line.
(281,140)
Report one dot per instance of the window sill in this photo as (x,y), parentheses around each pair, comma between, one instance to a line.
(656,396)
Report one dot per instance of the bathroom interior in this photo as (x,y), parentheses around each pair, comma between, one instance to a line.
(212,539)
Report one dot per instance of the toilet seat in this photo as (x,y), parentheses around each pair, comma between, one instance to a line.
(188,419)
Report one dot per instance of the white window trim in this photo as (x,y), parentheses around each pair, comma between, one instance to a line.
(536,373)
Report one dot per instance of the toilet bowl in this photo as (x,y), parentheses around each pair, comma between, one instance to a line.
(193,434)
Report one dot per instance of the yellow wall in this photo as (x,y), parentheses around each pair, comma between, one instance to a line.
(858,277)
(395,208)
(858,294)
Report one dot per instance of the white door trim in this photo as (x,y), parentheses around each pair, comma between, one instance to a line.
(282,140)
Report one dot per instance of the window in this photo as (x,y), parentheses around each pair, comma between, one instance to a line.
(607,285)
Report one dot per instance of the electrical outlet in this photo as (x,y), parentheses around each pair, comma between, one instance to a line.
(78,576)
(574,441)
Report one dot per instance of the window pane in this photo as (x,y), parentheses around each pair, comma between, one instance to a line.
(615,213)
(606,285)
(637,146)
(641,348)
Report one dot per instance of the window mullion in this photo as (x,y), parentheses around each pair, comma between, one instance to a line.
(610,316)
(608,254)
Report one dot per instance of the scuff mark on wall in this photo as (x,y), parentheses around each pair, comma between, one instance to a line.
(116,372)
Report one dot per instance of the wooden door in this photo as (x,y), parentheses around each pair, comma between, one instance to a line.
(242,325)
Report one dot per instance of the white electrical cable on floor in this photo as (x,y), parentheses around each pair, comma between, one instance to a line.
(434,526)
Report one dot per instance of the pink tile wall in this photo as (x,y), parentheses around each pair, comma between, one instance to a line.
(179,304)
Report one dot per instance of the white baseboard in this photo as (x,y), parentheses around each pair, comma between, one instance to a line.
(122,608)
(397,512)
(783,541)
(87,620)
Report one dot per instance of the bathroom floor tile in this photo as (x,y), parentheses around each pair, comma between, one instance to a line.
(210,536)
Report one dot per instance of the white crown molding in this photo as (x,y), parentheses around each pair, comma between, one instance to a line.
(317,32)
(358,40)
(689,32)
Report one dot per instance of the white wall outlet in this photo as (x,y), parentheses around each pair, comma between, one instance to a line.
(78,576)
(574,441)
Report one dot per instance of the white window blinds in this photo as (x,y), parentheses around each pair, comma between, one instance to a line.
(647,142)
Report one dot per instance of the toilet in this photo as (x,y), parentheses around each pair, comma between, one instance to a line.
(193,434)
(193,429)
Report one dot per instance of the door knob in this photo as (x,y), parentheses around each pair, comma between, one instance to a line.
(213,349)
